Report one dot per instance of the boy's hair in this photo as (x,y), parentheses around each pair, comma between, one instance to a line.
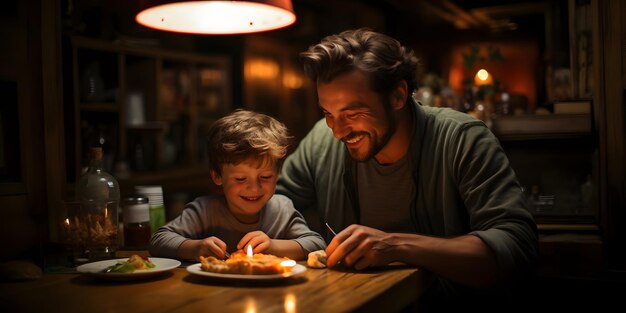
(243,134)
(383,58)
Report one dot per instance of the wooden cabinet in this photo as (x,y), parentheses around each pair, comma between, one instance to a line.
(149,109)
(555,159)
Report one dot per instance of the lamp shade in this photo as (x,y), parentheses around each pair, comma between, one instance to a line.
(217,17)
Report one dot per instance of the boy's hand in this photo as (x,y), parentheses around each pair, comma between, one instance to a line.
(257,239)
(211,246)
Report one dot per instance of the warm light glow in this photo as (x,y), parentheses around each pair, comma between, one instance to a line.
(217,17)
(482,74)
(67,222)
(210,76)
(106,213)
(249,251)
(250,306)
(261,69)
(483,78)
(290,303)
(288,263)
(292,80)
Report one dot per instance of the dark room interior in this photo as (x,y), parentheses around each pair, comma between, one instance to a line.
(77,74)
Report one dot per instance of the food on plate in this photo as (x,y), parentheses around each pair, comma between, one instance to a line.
(317,259)
(135,262)
(240,263)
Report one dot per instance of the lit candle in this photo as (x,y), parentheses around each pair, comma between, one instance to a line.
(288,263)
(66,231)
(249,251)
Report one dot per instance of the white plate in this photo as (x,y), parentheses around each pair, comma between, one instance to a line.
(96,268)
(197,270)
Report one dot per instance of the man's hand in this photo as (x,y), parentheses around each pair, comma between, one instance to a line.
(257,239)
(360,247)
(211,246)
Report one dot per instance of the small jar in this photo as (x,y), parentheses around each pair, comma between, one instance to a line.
(136,217)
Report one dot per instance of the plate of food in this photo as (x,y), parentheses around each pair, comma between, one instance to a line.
(240,266)
(133,267)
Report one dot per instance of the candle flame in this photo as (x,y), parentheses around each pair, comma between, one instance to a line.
(67,221)
(249,251)
(288,263)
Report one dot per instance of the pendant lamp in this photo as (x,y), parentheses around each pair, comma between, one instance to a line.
(220,17)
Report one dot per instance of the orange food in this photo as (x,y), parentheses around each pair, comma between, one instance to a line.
(240,263)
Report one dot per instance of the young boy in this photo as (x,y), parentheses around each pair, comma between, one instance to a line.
(246,150)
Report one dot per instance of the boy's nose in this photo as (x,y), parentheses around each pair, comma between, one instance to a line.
(254,184)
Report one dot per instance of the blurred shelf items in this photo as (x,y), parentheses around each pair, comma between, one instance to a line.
(536,93)
(148,108)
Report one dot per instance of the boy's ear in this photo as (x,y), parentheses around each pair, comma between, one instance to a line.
(217,178)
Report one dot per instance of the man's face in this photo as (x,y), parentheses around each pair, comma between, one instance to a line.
(247,187)
(356,114)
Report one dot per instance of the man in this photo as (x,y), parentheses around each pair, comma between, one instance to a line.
(429,187)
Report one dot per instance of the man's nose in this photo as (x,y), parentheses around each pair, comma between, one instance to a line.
(340,128)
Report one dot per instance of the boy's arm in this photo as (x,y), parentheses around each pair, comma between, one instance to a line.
(188,250)
(287,248)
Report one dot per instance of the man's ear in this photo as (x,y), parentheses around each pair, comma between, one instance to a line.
(399,94)
(217,178)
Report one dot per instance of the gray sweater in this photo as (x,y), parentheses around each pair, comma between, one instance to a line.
(209,216)
(464,183)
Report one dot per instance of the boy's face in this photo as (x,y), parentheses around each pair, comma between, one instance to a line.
(247,187)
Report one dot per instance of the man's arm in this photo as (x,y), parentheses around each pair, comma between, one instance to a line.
(465,259)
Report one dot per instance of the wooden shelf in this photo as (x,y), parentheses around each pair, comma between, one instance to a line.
(99,107)
(186,179)
(147,126)
(143,83)
(568,227)
(550,126)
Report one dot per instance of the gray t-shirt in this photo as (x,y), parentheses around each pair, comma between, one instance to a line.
(386,194)
(209,216)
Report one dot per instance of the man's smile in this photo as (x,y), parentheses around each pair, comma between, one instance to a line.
(353,139)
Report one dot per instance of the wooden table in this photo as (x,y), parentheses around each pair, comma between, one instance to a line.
(388,289)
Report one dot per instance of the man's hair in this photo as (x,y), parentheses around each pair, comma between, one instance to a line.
(383,58)
(243,134)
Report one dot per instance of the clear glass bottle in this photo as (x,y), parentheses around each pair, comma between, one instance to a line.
(99,195)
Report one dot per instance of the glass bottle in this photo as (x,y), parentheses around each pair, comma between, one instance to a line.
(136,222)
(99,195)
